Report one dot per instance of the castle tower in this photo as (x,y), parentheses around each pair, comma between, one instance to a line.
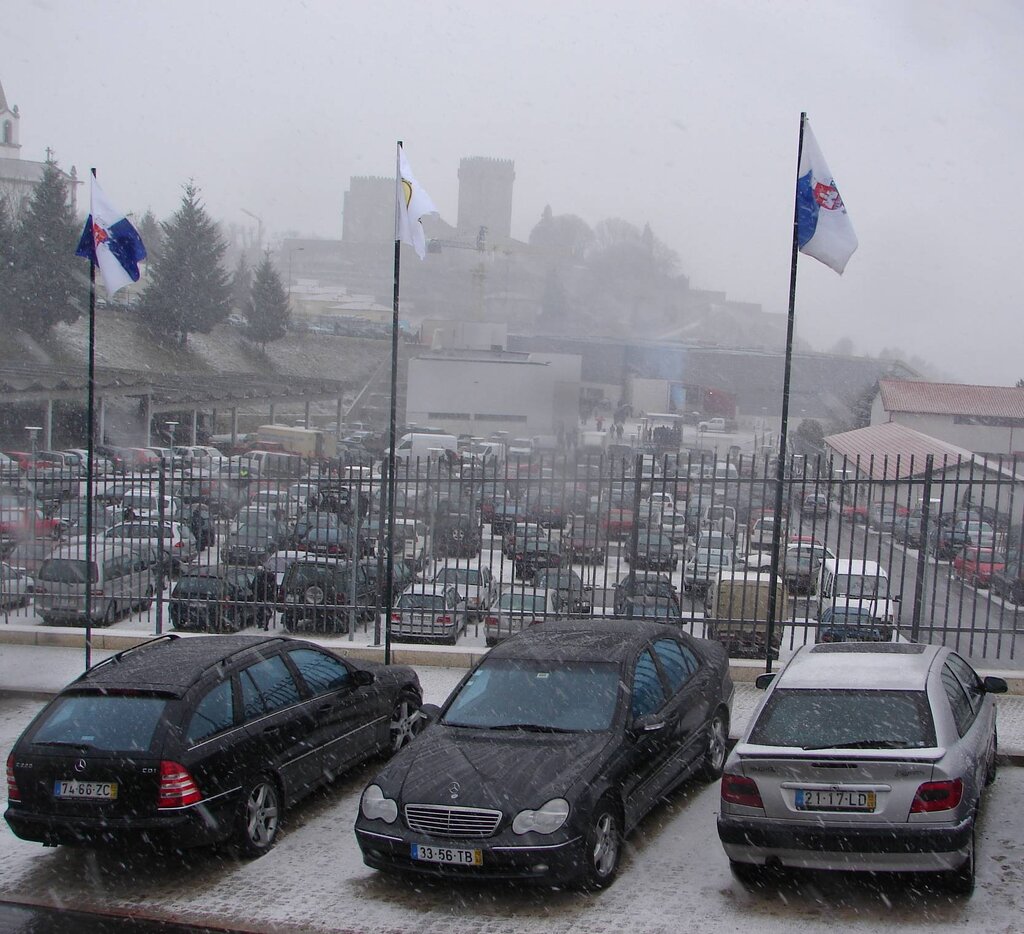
(369,210)
(485,197)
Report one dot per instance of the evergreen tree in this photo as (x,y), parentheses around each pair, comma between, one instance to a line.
(152,235)
(267,309)
(45,291)
(7,241)
(188,288)
(241,284)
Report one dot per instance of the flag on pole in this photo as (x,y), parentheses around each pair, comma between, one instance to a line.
(110,242)
(411,203)
(824,230)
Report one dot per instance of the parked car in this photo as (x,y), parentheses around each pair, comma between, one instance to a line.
(652,609)
(16,587)
(584,544)
(477,583)
(456,536)
(223,599)
(814,504)
(644,584)
(975,565)
(852,624)
(174,539)
(702,568)
(536,555)
(863,757)
(654,552)
(549,753)
(253,542)
(18,523)
(1008,582)
(430,612)
(573,596)
(518,608)
(201,740)
(317,594)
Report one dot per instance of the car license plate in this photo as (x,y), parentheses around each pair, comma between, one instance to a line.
(444,854)
(104,791)
(834,800)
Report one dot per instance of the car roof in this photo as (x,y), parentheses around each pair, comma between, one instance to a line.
(168,663)
(893,666)
(581,640)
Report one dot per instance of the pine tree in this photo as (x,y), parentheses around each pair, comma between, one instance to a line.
(188,288)
(241,284)
(45,291)
(267,310)
(7,255)
(152,235)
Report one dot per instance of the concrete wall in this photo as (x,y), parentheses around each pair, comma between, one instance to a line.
(649,395)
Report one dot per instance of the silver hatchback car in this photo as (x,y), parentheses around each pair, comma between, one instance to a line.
(863,756)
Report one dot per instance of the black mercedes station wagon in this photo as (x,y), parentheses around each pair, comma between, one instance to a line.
(549,752)
(184,741)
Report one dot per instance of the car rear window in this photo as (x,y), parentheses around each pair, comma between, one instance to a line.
(103,722)
(845,719)
(65,571)
(419,601)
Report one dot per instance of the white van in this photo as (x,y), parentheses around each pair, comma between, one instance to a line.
(847,582)
(417,446)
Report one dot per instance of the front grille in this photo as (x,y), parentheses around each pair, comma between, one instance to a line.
(440,821)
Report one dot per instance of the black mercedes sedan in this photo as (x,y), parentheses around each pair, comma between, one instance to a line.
(549,752)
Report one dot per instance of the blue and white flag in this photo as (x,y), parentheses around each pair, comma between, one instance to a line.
(823,227)
(110,242)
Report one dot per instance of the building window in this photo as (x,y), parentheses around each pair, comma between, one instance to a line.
(7,132)
(481,417)
(452,415)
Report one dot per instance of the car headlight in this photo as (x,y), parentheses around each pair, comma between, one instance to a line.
(375,806)
(546,819)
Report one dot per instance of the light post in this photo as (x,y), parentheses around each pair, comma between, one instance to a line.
(33,434)
(171,426)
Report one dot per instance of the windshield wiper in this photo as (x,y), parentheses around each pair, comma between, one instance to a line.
(862,744)
(530,728)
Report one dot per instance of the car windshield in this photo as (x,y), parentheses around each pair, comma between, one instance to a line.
(101,722)
(458,576)
(543,695)
(526,603)
(204,585)
(858,585)
(824,719)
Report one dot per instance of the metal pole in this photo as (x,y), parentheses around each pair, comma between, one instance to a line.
(780,467)
(392,426)
(922,551)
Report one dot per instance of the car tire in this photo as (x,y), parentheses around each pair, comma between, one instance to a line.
(259,817)
(961,881)
(713,762)
(602,846)
(110,613)
(147,600)
(991,770)
(405,722)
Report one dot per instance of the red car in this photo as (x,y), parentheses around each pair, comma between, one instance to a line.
(617,522)
(976,565)
(20,523)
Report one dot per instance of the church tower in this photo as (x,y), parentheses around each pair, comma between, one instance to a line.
(10,147)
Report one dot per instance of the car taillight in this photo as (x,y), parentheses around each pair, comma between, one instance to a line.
(96,593)
(444,620)
(40,589)
(177,787)
(180,544)
(937,796)
(12,785)
(736,789)
(396,617)
(491,621)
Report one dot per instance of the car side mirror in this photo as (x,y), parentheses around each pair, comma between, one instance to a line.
(898,598)
(994,685)
(650,723)
(430,712)
(362,678)
(762,682)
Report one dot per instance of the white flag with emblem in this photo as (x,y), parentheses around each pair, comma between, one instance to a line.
(411,203)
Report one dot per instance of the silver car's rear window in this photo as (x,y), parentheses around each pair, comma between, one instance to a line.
(847,719)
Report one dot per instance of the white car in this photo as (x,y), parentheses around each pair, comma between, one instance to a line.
(476,583)
(866,757)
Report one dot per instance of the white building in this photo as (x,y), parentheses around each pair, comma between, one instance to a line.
(478,392)
(987,420)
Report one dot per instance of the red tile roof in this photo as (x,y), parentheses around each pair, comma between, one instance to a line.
(920,397)
(892,451)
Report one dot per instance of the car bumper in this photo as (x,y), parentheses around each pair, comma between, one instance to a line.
(556,862)
(886,847)
(192,826)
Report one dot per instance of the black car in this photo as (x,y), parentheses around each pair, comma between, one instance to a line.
(1009,582)
(223,599)
(536,555)
(456,536)
(253,542)
(549,752)
(656,586)
(574,597)
(586,545)
(317,594)
(654,552)
(185,741)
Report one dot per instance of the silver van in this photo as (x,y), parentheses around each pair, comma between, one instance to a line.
(121,578)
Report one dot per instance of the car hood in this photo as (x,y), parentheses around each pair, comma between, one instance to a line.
(502,770)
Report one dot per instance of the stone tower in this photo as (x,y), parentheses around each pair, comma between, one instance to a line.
(10,147)
(369,210)
(485,197)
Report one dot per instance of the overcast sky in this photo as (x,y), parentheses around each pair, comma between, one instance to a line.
(684,114)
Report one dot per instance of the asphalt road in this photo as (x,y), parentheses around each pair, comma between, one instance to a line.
(674,877)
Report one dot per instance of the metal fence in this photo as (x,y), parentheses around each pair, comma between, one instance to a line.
(886,549)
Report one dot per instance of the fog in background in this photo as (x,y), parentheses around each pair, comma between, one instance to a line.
(681,114)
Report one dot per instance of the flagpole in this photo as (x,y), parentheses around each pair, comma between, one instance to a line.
(90,416)
(393,423)
(780,467)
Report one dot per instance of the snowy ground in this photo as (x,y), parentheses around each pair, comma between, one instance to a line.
(675,877)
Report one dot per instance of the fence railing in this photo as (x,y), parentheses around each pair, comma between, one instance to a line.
(888,548)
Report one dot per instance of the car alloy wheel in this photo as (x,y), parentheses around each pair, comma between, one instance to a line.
(714,757)
(603,846)
(260,816)
(406,721)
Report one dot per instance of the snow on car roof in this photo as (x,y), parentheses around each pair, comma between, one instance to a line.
(869,665)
